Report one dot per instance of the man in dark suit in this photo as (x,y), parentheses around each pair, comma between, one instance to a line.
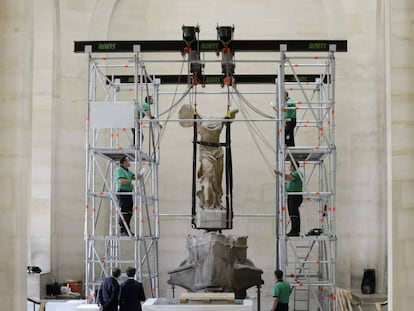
(132,293)
(109,292)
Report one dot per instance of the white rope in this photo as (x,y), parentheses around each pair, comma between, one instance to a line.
(255,132)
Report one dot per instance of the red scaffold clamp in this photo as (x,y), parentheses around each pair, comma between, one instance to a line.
(187,49)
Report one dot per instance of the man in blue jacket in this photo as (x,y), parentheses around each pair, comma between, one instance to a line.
(109,292)
(132,293)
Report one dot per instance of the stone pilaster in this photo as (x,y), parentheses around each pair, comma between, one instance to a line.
(15,149)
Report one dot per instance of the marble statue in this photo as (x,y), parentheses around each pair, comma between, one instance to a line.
(210,172)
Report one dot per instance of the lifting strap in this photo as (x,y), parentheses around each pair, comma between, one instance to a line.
(229,179)
(193,192)
(229,168)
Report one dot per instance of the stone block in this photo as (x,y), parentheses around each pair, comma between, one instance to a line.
(211,219)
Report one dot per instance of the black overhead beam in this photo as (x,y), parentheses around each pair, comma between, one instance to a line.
(218,79)
(210,46)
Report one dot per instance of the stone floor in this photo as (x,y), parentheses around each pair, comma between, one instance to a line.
(361,302)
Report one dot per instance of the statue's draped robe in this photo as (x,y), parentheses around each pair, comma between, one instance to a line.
(211,165)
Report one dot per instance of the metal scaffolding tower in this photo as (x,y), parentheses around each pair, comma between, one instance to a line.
(308,260)
(116,87)
(113,110)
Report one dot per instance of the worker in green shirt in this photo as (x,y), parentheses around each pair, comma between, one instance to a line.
(143,110)
(290,119)
(124,178)
(281,293)
(293,185)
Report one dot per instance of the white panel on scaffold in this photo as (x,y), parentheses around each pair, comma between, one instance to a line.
(111,115)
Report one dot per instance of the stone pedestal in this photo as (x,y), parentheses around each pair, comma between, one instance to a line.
(216,263)
(211,219)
